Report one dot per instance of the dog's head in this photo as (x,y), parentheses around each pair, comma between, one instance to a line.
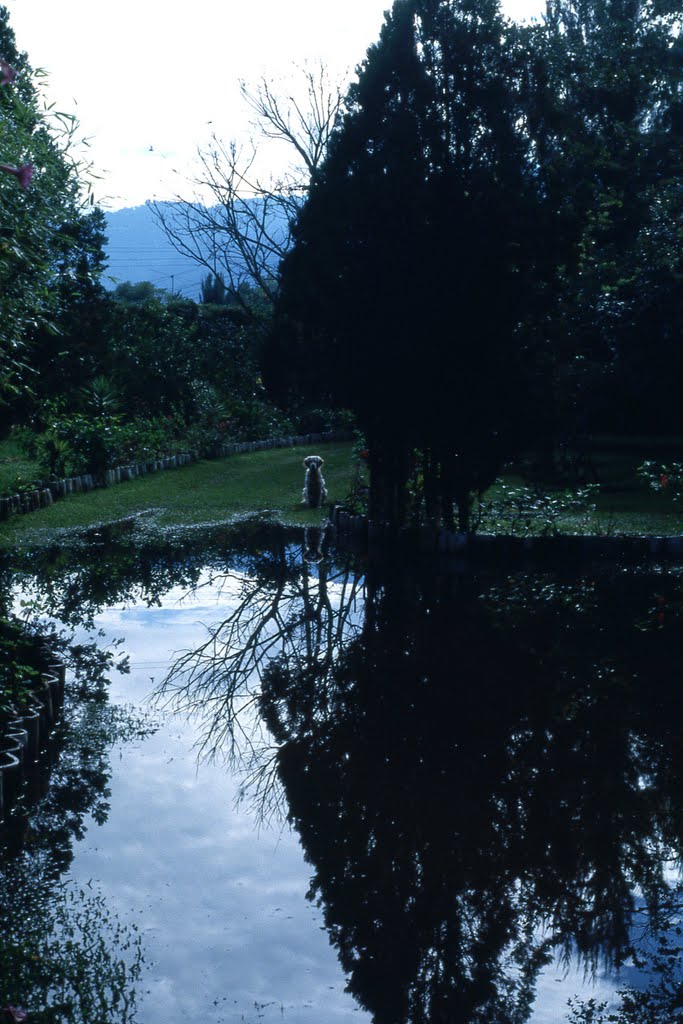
(313,462)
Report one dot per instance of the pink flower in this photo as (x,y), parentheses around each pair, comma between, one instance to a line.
(664,480)
(24,173)
(14,1014)
(7,73)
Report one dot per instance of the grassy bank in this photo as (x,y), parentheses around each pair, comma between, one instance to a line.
(267,483)
(15,464)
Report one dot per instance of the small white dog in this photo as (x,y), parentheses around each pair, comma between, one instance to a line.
(314,492)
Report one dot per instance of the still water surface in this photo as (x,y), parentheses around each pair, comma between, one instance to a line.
(467,774)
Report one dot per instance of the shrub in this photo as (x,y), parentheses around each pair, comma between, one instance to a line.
(318,421)
(75,444)
(524,511)
(664,479)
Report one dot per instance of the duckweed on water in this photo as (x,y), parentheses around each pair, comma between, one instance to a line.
(65,958)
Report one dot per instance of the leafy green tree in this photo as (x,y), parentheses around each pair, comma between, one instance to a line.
(606,110)
(650,349)
(138,293)
(69,352)
(40,196)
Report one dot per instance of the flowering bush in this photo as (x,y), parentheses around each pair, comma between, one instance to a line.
(41,194)
(85,443)
(95,443)
(664,479)
(23,173)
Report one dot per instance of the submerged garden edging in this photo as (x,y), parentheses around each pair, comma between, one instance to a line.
(45,494)
(26,744)
(453,549)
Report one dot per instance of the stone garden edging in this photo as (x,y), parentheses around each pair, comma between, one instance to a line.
(453,550)
(45,494)
(27,746)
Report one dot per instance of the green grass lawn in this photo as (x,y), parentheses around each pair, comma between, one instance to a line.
(625,505)
(267,483)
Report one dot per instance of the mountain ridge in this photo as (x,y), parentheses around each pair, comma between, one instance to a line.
(138,250)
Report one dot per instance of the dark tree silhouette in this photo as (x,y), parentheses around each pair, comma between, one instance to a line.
(213,289)
(608,123)
(418,257)
(460,267)
(468,775)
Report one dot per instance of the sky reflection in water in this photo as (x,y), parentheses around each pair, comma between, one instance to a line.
(221,900)
(458,755)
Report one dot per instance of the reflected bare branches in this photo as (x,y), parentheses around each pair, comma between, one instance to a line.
(296,608)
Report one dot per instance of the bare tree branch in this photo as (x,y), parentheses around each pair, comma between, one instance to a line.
(247,229)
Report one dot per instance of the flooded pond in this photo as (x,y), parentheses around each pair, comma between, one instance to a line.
(331,790)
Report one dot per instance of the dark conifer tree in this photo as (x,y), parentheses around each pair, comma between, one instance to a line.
(416,256)
(466,270)
(213,290)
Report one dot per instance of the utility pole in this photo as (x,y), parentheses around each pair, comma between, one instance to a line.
(172,280)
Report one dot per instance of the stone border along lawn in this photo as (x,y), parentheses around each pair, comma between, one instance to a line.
(452,551)
(212,492)
(262,484)
(42,495)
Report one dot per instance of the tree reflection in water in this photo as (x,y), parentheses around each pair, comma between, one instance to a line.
(288,603)
(482,774)
(64,956)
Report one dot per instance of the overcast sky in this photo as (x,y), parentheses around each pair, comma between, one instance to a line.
(150,80)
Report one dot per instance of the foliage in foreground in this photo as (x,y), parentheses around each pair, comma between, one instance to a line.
(65,958)
(663,478)
(42,213)
(658,958)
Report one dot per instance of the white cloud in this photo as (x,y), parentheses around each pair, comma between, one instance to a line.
(147,73)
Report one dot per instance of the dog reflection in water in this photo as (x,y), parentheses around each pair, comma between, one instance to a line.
(314,540)
(314,492)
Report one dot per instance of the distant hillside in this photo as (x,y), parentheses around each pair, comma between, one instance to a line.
(139,251)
